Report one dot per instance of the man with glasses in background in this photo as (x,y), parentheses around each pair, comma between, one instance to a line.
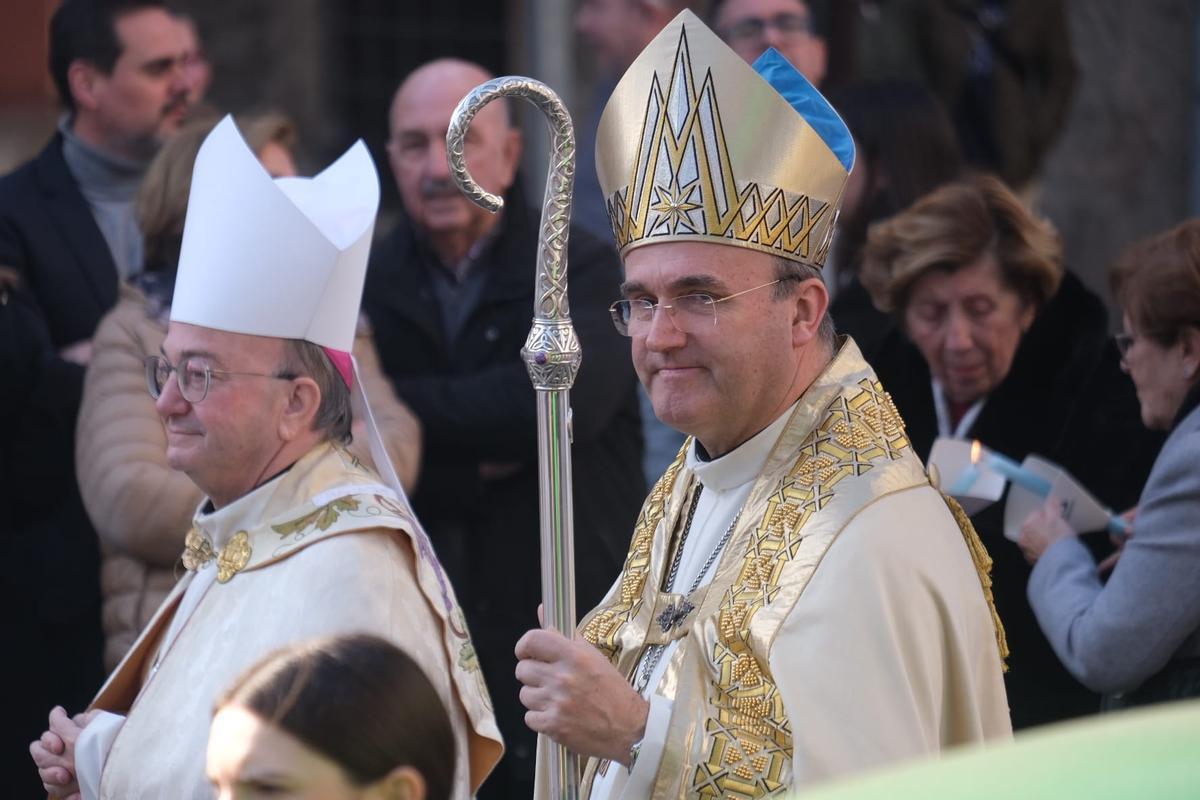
(751,26)
(296,538)
(798,601)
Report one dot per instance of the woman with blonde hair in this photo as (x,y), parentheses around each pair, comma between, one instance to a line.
(996,341)
(163,196)
(140,507)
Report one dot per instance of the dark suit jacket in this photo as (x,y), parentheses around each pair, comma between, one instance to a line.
(69,280)
(1066,399)
(48,234)
(50,587)
(477,407)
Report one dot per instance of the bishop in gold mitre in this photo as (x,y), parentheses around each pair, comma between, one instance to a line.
(799,602)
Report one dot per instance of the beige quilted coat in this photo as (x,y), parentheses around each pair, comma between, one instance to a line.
(140,507)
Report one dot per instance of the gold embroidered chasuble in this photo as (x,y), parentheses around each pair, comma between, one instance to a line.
(320,550)
(842,463)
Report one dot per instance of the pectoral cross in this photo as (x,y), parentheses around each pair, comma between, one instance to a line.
(673,616)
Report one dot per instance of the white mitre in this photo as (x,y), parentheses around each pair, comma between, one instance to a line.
(282,257)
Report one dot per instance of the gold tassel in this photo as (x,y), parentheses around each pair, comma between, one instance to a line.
(983,566)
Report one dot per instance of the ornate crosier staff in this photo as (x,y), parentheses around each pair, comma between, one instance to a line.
(551,353)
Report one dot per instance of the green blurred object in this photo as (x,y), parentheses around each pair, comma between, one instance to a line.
(1148,753)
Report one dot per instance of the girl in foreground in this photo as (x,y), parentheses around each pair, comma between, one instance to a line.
(344,718)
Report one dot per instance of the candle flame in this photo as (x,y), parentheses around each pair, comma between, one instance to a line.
(976,451)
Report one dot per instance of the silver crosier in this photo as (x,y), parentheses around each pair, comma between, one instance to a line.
(551,353)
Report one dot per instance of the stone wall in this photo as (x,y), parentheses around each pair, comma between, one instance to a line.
(269,53)
(332,65)
(1122,168)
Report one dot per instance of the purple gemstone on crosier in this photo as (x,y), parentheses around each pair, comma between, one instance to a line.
(539,359)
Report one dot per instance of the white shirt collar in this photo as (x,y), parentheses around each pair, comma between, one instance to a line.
(941,407)
(743,463)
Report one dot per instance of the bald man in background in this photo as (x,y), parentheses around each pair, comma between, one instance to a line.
(450,297)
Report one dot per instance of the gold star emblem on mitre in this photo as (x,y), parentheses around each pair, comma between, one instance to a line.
(675,204)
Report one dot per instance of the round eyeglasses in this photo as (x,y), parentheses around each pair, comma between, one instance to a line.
(689,313)
(194,376)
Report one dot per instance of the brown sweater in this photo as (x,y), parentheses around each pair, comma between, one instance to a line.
(140,507)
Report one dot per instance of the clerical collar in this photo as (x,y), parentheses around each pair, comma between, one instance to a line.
(741,464)
(101,176)
(207,510)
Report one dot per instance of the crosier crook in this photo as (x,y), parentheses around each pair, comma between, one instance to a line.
(551,353)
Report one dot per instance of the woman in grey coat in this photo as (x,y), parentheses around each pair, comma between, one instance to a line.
(1136,638)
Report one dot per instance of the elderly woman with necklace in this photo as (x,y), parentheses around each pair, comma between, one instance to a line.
(996,341)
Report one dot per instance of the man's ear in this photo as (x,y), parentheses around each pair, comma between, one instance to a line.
(83,80)
(300,409)
(811,299)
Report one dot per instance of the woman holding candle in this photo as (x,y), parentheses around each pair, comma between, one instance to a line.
(1136,638)
(997,342)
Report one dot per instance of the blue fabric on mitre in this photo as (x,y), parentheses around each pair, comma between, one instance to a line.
(808,102)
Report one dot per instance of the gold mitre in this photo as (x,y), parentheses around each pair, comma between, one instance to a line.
(697,145)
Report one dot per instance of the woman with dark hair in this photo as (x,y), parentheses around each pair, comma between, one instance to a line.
(1136,638)
(905,148)
(339,718)
(996,341)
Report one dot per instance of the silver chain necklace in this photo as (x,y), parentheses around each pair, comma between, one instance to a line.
(674,616)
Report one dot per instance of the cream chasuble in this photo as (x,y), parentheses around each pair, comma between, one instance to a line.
(844,626)
(726,483)
(322,549)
